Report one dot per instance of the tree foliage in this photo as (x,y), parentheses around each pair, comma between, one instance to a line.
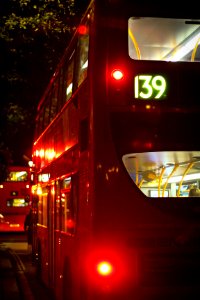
(43,16)
(30,29)
(4,163)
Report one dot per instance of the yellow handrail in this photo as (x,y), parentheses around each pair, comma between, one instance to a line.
(160,179)
(188,168)
(195,50)
(172,172)
(141,182)
(135,44)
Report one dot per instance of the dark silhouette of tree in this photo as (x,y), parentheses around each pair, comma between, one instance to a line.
(4,163)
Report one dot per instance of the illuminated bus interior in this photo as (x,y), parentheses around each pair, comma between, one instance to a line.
(164,174)
(17,176)
(164,39)
(17,202)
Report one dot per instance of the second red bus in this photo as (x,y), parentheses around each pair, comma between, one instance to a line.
(15,198)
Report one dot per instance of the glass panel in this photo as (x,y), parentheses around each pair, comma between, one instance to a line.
(164,39)
(40,210)
(165,174)
(57,206)
(47,112)
(17,176)
(66,183)
(17,202)
(68,199)
(54,101)
(64,210)
(65,199)
(69,75)
(39,124)
(44,201)
(83,58)
(42,207)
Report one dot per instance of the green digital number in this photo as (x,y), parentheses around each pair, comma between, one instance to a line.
(149,86)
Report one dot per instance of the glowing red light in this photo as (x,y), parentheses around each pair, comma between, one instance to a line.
(104,268)
(82,29)
(109,269)
(117,74)
(148,145)
(70,223)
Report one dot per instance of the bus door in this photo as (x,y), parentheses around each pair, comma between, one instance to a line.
(35,200)
(51,225)
(42,231)
(57,238)
(65,225)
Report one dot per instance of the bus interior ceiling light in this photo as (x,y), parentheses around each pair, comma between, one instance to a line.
(184,48)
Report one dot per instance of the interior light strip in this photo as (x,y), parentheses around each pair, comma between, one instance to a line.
(183,49)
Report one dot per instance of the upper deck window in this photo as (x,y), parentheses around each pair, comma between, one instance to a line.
(17,176)
(69,76)
(164,39)
(83,58)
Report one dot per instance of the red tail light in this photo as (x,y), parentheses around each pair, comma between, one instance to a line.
(82,29)
(104,268)
(117,74)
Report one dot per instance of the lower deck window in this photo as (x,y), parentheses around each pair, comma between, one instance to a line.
(165,174)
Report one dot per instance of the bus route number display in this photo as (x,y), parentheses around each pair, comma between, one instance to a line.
(150,86)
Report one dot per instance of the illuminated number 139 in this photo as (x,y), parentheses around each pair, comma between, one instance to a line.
(148,86)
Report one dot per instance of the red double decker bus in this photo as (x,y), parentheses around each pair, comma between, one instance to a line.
(116,157)
(15,198)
